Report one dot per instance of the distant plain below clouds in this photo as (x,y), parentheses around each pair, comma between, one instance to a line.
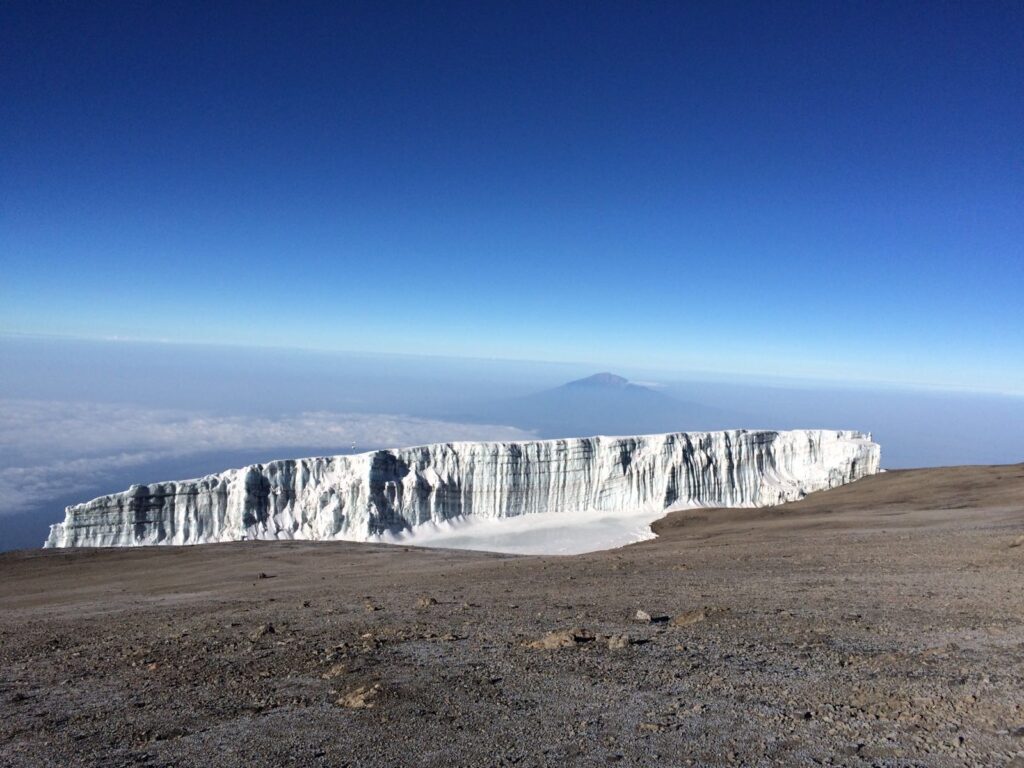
(50,448)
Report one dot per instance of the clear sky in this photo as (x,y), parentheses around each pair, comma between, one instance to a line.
(818,189)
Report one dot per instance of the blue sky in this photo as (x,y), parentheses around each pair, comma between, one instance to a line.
(832,190)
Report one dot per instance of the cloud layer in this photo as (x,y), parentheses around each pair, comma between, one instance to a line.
(52,448)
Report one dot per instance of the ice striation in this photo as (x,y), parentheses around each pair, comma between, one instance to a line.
(362,496)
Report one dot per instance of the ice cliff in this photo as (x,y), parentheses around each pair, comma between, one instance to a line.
(359,496)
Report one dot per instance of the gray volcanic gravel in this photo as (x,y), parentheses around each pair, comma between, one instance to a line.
(878,624)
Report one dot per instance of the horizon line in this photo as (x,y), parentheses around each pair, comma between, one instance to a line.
(764,379)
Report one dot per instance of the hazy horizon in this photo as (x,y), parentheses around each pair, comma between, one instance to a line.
(83,418)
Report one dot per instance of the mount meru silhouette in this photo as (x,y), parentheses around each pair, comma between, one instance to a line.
(601,404)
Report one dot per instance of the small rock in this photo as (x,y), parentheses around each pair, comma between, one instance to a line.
(688,618)
(360,698)
(335,670)
(619,641)
(262,631)
(564,638)
(649,618)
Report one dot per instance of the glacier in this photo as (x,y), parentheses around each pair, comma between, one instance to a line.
(391,493)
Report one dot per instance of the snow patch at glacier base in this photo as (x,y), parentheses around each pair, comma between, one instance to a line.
(544,533)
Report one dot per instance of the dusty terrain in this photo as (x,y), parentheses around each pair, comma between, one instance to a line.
(878,624)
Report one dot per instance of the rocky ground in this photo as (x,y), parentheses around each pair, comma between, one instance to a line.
(880,624)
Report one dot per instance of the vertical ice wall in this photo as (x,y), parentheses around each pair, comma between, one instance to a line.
(354,497)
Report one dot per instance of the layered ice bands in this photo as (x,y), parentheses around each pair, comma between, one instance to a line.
(392,491)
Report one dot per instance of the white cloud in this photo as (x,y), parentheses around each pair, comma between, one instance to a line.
(54,448)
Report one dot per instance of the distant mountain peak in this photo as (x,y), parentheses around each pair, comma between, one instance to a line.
(601,404)
(604,380)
